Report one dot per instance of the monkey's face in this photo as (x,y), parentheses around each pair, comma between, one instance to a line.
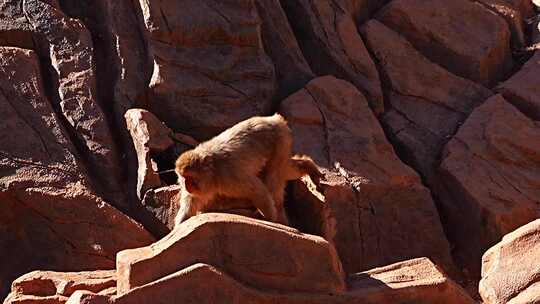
(192,183)
(194,171)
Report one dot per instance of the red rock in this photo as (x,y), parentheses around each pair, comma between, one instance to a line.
(57,287)
(510,268)
(414,281)
(71,54)
(86,297)
(373,208)
(523,88)
(148,135)
(210,69)
(50,218)
(461,35)
(362,10)
(427,103)
(14,27)
(292,69)
(514,12)
(123,69)
(489,173)
(259,253)
(330,41)
(163,204)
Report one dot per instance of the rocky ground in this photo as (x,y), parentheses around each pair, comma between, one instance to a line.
(424,115)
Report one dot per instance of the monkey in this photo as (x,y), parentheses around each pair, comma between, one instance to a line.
(250,160)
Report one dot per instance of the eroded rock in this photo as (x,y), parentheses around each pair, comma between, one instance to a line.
(71,53)
(148,135)
(210,68)
(373,208)
(413,281)
(292,69)
(428,103)
(50,217)
(510,268)
(490,176)
(330,41)
(258,253)
(514,12)
(44,286)
(461,35)
(163,203)
(523,88)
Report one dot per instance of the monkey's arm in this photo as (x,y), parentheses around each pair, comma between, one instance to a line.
(187,207)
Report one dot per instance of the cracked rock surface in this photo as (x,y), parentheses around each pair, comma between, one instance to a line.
(422,115)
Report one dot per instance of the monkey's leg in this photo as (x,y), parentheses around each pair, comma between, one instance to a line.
(275,180)
(252,188)
(300,165)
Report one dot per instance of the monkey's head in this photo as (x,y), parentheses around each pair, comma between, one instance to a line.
(196,170)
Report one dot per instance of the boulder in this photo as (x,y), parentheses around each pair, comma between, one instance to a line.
(330,41)
(210,68)
(163,203)
(426,102)
(51,218)
(514,12)
(489,179)
(413,281)
(71,54)
(258,253)
(510,268)
(372,207)
(44,286)
(461,35)
(149,134)
(523,88)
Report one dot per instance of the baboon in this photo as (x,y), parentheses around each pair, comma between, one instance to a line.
(251,160)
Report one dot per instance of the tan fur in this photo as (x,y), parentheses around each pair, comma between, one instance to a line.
(251,160)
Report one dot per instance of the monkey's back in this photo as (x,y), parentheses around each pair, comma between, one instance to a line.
(249,143)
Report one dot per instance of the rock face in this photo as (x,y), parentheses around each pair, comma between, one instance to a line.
(413,281)
(510,268)
(57,287)
(523,89)
(99,97)
(371,201)
(462,36)
(210,68)
(49,218)
(70,51)
(329,39)
(427,103)
(258,253)
(490,173)
(514,12)
(292,69)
